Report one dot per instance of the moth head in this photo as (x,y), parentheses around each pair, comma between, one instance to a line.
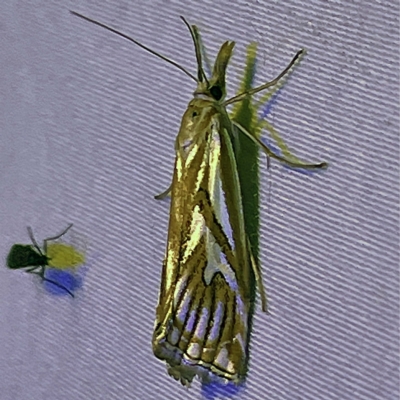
(217,85)
(213,87)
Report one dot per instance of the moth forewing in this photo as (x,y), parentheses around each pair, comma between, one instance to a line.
(201,325)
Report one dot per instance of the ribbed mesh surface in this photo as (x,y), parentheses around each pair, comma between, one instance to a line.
(88,123)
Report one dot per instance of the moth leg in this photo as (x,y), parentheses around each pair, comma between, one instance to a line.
(250,92)
(164,194)
(55,237)
(271,154)
(257,273)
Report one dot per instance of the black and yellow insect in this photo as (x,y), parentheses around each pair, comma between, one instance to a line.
(35,260)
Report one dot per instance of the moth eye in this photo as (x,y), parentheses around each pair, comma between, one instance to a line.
(195,114)
(216,92)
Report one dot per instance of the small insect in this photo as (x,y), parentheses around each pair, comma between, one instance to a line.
(36,260)
(210,273)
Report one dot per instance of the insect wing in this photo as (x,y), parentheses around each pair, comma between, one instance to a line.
(201,324)
(63,256)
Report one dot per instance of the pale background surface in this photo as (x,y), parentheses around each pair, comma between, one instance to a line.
(87,124)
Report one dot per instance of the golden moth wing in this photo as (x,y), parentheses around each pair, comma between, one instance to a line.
(202,316)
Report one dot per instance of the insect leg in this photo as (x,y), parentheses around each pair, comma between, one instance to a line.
(34,242)
(250,92)
(257,273)
(30,270)
(271,154)
(59,285)
(39,273)
(55,237)
(43,278)
(164,194)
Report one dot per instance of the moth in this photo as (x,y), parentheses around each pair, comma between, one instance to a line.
(210,273)
(36,259)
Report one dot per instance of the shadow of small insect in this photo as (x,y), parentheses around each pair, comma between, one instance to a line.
(54,263)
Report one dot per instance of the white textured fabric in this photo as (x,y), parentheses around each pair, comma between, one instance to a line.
(87,125)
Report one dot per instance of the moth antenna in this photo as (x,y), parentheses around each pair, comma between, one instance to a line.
(195,36)
(206,60)
(136,42)
(270,153)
